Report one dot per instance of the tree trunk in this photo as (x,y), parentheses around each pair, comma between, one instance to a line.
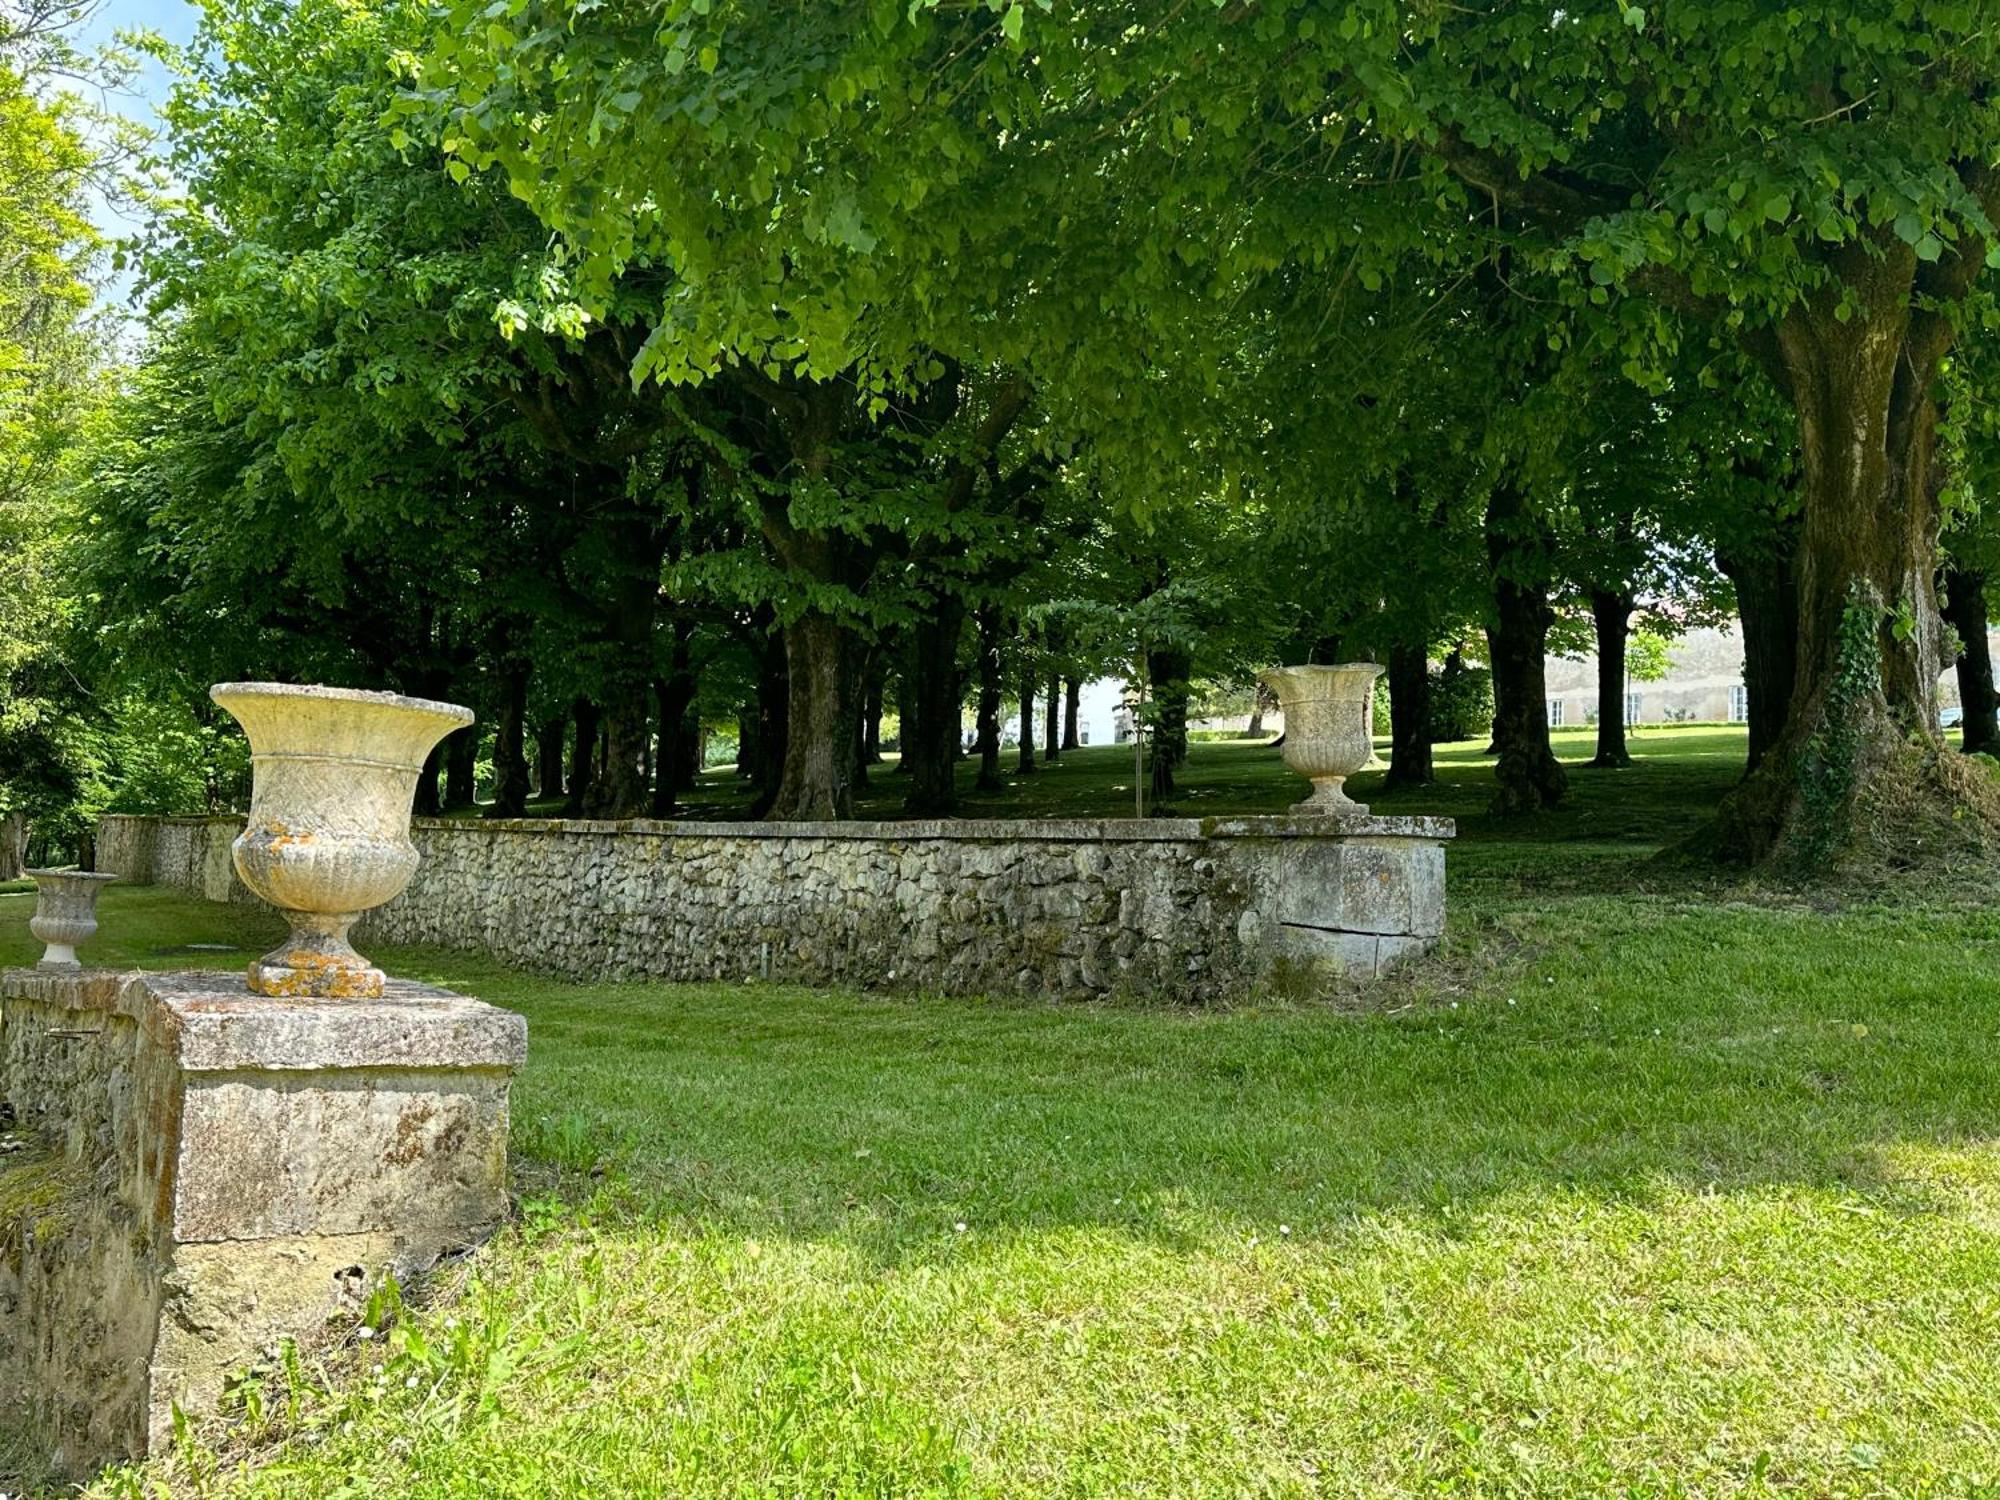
(1528,776)
(1965,610)
(871,717)
(818,781)
(619,789)
(461,764)
(549,756)
(1263,700)
(426,803)
(906,711)
(1767,605)
(989,699)
(1052,734)
(672,696)
(861,680)
(1409,717)
(510,751)
(1860,763)
(1612,613)
(1072,711)
(1027,762)
(13,844)
(583,717)
(774,696)
(1167,672)
(930,728)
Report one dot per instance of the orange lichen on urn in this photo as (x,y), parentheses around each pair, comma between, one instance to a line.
(315,977)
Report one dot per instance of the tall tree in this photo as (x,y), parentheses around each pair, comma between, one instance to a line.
(1820,185)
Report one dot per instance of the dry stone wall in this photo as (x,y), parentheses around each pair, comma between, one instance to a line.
(1170,907)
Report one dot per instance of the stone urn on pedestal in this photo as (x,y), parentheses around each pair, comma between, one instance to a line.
(334,773)
(65,912)
(1328,713)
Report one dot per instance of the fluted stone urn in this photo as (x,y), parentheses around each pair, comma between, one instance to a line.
(334,773)
(1327,718)
(65,912)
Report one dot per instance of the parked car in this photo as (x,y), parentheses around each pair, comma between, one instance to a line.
(1950,718)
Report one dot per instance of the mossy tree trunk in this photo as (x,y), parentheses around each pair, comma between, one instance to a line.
(1858,759)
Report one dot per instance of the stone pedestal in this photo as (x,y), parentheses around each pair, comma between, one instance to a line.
(1353,895)
(212,1172)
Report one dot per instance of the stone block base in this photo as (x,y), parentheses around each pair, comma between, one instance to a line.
(208,1173)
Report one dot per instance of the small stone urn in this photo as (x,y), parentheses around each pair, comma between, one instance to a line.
(65,912)
(1328,711)
(334,772)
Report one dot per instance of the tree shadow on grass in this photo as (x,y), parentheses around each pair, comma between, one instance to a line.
(1648,1050)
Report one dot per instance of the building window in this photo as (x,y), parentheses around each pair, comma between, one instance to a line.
(1739,704)
(1555,713)
(1632,703)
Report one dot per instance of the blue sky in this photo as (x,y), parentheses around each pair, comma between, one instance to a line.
(173,19)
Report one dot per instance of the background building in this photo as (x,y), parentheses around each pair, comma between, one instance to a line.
(1703,684)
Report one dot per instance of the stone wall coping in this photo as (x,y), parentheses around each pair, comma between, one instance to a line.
(211,1023)
(179,820)
(916,830)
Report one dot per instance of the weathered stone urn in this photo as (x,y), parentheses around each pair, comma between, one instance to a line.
(65,912)
(1327,718)
(334,772)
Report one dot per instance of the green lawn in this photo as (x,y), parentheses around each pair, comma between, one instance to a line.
(1649,1187)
